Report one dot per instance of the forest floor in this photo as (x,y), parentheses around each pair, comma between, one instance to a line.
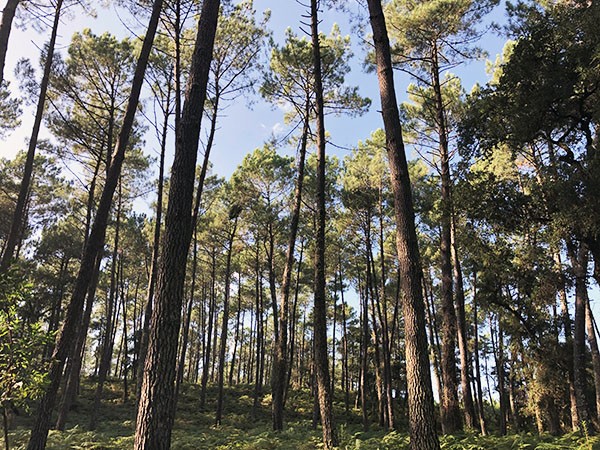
(194,428)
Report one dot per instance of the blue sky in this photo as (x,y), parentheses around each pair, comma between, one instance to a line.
(243,129)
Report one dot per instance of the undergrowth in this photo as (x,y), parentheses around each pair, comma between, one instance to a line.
(244,430)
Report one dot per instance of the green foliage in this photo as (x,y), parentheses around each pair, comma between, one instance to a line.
(88,93)
(10,111)
(22,374)
(421,28)
(289,82)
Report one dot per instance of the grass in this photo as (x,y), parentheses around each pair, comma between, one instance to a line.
(194,428)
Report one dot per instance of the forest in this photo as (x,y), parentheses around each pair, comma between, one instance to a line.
(431,286)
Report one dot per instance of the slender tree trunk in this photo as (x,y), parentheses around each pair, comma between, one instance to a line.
(482,421)
(450,410)
(251,339)
(498,351)
(66,338)
(382,312)
(421,419)
(345,375)
(302,357)
(211,315)
(578,258)
(157,401)
(280,360)
(187,319)
(461,323)
(320,308)
(566,322)
(224,326)
(124,359)
(293,324)
(111,304)
(5,427)
(364,348)
(19,215)
(377,329)
(258,299)
(333,346)
(8,14)
(155,251)
(237,338)
(434,347)
(593,341)
(238,377)
(75,359)
(69,395)
(512,392)
(213,360)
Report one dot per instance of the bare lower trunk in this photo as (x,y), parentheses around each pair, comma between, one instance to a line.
(224,327)
(208,339)
(480,407)
(109,334)
(461,322)
(566,322)
(280,361)
(449,408)
(498,351)
(421,418)
(320,307)
(69,395)
(157,401)
(579,257)
(155,253)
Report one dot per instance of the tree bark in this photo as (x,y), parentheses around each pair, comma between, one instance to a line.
(280,360)
(434,346)
(593,341)
(498,351)
(224,327)
(66,338)
(566,322)
(109,335)
(364,356)
(155,252)
(320,307)
(157,401)
(8,14)
(480,409)
(208,340)
(69,395)
(259,340)
(463,347)
(345,368)
(450,410)
(237,339)
(421,419)
(187,318)
(578,257)
(293,324)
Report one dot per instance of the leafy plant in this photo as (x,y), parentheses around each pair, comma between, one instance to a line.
(21,340)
